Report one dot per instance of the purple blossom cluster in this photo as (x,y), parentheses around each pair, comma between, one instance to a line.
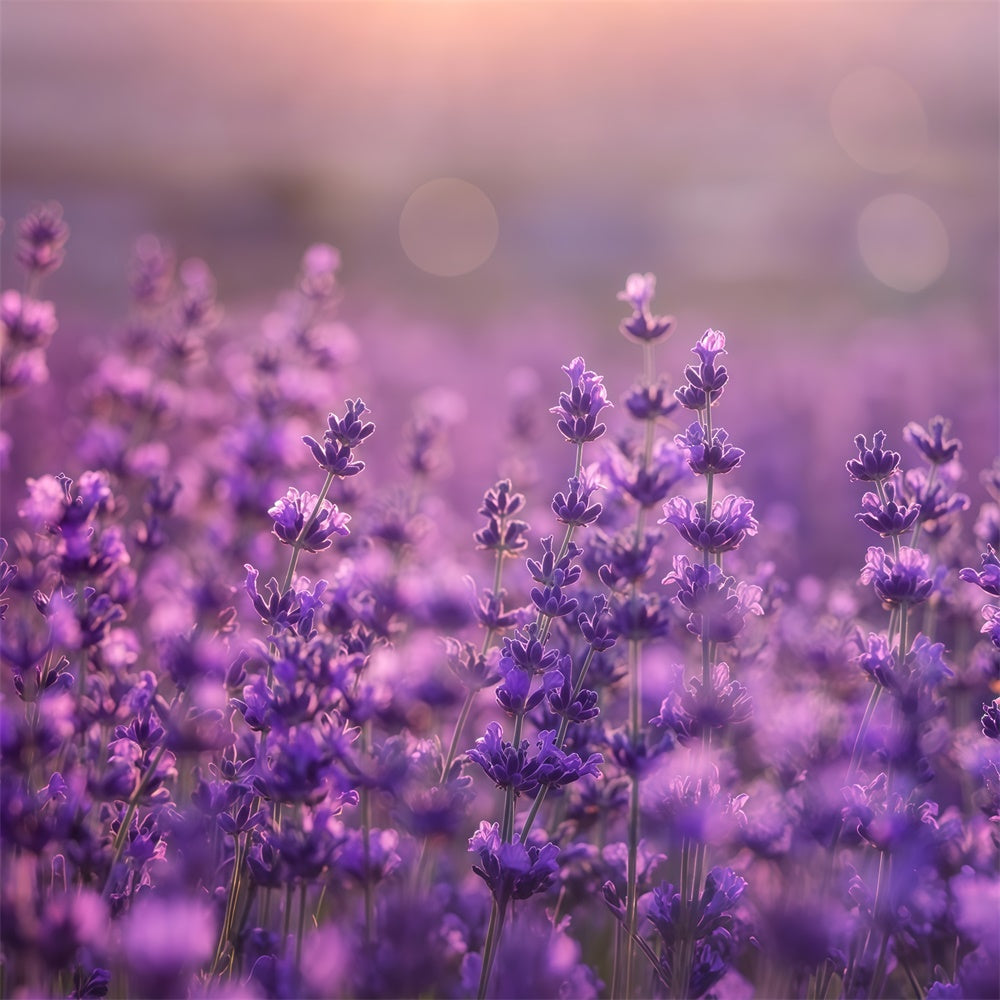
(276,723)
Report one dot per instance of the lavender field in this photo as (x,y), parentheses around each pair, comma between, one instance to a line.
(458,546)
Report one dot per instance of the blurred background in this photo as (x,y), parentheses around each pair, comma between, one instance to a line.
(818,180)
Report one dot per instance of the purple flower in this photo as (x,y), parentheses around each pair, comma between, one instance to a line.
(574,507)
(650,402)
(628,559)
(706,380)
(559,572)
(514,695)
(649,484)
(503,533)
(318,274)
(991,720)
(294,511)
(42,236)
(342,436)
(555,767)
(525,650)
(512,871)
(561,701)
(151,271)
(991,625)
(936,497)
(874,464)
(718,604)
(690,710)
(989,577)
(579,409)
(596,628)
(640,616)
(164,941)
(715,933)
(471,667)
(732,520)
(26,323)
(877,658)
(888,518)
(637,756)
(931,442)
(898,581)
(708,457)
(642,326)
(506,765)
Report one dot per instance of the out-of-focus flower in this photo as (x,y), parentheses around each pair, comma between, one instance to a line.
(42,236)
(931,442)
(164,941)
(26,323)
(642,325)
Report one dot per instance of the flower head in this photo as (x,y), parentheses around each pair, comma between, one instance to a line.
(902,580)
(874,464)
(514,870)
(706,380)
(302,519)
(342,436)
(931,442)
(731,521)
(579,409)
(42,236)
(642,325)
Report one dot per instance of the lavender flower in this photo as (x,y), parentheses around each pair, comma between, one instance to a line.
(874,464)
(705,381)
(42,236)
(579,409)
(987,579)
(642,326)
(904,579)
(512,870)
(343,434)
(730,523)
(887,517)
(931,442)
(708,457)
(303,520)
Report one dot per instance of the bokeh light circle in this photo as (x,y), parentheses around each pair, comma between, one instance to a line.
(903,242)
(879,120)
(448,227)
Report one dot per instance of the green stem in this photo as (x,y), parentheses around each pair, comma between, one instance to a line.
(302,923)
(306,528)
(560,737)
(632,876)
(490,948)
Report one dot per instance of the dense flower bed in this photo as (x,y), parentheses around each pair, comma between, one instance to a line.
(270,731)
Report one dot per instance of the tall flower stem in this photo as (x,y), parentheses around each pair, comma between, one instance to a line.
(560,739)
(497,915)
(635,709)
(304,533)
(470,696)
